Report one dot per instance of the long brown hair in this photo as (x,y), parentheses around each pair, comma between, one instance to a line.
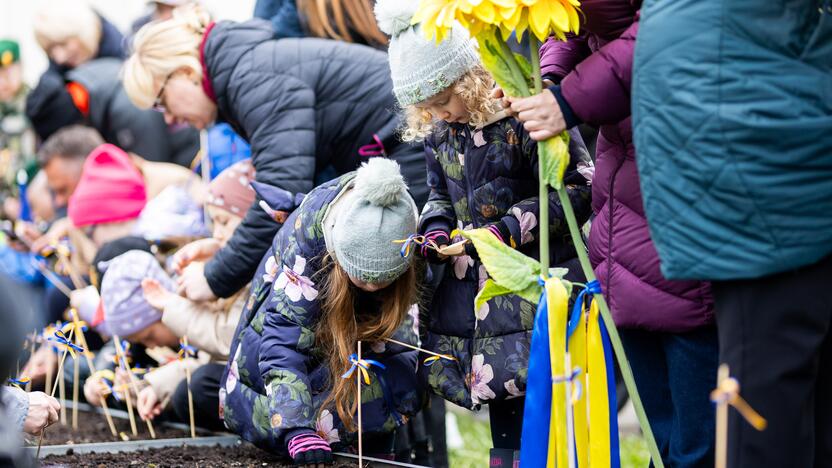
(350,18)
(340,329)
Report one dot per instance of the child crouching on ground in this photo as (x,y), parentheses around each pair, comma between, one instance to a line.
(482,170)
(333,277)
(208,326)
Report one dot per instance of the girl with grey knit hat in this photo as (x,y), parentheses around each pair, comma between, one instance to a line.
(482,173)
(333,277)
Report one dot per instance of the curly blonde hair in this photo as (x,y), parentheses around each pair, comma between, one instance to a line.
(474,88)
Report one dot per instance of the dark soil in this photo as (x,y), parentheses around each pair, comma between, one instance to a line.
(177,457)
(92,427)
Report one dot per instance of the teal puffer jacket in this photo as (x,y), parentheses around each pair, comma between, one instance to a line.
(732,118)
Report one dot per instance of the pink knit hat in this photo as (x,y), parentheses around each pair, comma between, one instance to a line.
(111,189)
(231,189)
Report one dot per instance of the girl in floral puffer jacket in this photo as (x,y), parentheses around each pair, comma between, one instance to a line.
(482,171)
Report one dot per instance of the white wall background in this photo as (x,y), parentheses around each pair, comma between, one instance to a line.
(15,23)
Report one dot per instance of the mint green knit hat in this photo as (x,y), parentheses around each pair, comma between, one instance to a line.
(378,210)
(421,68)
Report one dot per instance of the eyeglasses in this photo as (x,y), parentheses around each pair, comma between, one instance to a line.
(158,104)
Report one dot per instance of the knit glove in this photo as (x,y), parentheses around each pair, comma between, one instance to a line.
(500,231)
(440,238)
(309,449)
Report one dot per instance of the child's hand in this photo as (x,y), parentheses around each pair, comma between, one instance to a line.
(193,284)
(43,411)
(155,294)
(148,404)
(95,390)
(197,251)
(38,364)
(441,239)
(540,114)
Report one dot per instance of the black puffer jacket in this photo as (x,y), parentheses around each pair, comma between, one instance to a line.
(141,131)
(304,105)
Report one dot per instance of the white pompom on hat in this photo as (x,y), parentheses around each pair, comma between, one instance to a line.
(378,210)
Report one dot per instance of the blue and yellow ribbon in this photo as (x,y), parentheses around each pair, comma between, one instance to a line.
(429,361)
(62,340)
(545,439)
(413,240)
(186,351)
(363,367)
(19,382)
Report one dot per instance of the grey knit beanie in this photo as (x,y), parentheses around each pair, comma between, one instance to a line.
(420,67)
(377,211)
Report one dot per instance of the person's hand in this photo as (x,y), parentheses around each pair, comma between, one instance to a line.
(85,301)
(148,404)
(310,450)
(497,93)
(438,237)
(95,390)
(197,251)
(540,114)
(38,364)
(59,229)
(43,411)
(156,295)
(193,284)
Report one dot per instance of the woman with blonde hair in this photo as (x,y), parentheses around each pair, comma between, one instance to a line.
(72,33)
(333,276)
(303,104)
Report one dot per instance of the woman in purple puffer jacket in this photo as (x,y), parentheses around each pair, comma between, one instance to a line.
(667,326)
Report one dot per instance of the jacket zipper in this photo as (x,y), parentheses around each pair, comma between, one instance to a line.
(468,190)
(470,194)
(610,202)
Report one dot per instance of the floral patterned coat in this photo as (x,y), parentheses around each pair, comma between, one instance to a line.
(277,379)
(479,177)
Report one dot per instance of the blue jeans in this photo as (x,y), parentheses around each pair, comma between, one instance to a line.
(675,374)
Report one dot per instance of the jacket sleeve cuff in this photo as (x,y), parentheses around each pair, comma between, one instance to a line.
(292,433)
(569,115)
(16,402)
(437,224)
(214,276)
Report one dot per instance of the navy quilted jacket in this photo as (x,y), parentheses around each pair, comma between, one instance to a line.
(479,177)
(277,379)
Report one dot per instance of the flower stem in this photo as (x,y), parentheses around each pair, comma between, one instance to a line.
(621,357)
(534,48)
(542,184)
(508,55)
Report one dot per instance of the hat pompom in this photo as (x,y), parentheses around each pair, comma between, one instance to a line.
(380,182)
(395,16)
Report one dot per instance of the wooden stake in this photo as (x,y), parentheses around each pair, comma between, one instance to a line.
(722,421)
(120,357)
(83,342)
(52,278)
(63,257)
(61,393)
(75,371)
(190,395)
(31,354)
(52,394)
(360,429)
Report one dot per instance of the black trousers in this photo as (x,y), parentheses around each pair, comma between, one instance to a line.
(205,389)
(506,418)
(775,334)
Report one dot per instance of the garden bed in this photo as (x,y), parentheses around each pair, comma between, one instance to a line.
(184,457)
(92,446)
